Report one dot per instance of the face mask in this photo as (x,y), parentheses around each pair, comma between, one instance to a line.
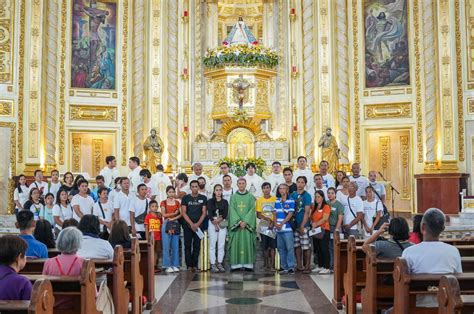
(119,187)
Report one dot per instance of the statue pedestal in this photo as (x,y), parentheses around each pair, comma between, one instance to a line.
(209,153)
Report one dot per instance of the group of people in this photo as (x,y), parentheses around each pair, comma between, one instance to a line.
(292,212)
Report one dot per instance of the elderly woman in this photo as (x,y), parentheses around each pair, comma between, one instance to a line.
(67,263)
(93,247)
(12,259)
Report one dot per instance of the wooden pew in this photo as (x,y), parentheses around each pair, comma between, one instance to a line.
(53,252)
(340,267)
(33,266)
(82,288)
(354,278)
(407,287)
(41,302)
(133,277)
(378,292)
(450,299)
(116,279)
(147,268)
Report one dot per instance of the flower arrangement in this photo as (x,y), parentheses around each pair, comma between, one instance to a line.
(241,55)
(237,165)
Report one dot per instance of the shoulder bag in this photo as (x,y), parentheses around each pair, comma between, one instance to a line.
(385,214)
(140,219)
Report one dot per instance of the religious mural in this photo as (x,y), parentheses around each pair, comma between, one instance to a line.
(93,44)
(386,43)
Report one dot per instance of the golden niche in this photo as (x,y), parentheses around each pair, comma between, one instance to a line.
(241,143)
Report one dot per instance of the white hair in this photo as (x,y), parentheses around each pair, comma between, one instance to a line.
(69,240)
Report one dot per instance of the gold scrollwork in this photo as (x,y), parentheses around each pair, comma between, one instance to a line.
(418,104)
(404,158)
(355,34)
(76,154)
(6,41)
(261,104)
(62,82)
(384,148)
(98,151)
(387,111)
(6,108)
(470,106)
(92,113)
(21,79)
(220,107)
(124,81)
(460,103)
(469,8)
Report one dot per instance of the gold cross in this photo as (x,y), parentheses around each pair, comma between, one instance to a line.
(241,206)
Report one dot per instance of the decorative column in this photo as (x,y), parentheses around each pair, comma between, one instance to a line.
(51,82)
(430,82)
(284,106)
(155,58)
(185,84)
(309,46)
(172,83)
(138,88)
(342,79)
(198,95)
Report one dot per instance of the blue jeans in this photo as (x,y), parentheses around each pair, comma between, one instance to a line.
(170,241)
(286,249)
(331,253)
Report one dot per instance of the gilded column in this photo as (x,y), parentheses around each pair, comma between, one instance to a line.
(138,76)
(198,93)
(308,77)
(342,78)
(172,90)
(51,82)
(124,82)
(155,59)
(429,53)
(283,76)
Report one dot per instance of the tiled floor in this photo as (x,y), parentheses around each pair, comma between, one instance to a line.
(243,292)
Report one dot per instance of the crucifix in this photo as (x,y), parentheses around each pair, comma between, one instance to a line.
(240,87)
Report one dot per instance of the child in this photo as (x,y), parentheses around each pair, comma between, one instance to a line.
(152,223)
(46,212)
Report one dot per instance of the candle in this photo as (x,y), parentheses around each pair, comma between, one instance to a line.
(185,71)
(186,129)
(293,11)
(185,13)
(293,69)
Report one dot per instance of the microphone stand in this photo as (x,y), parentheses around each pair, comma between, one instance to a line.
(394,190)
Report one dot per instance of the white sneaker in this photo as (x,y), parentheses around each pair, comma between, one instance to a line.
(169,270)
(317,269)
(175,269)
(325,271)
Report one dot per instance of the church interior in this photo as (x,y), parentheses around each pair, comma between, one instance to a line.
(384,84)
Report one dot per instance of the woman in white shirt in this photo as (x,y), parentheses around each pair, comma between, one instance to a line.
(104,210)
(339,176)
(62,210)
(343,193)
(82,203)
(22,193)
(93,247)
(34,203)
(372,211)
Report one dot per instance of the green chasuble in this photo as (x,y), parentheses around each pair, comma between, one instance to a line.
(242,242)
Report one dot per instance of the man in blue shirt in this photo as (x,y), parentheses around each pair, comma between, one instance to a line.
(302,211)
(100,181)
(284,208)
(26,223)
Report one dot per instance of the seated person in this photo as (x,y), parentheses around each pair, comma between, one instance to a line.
(44,233)
(25,221)
(432,256)
(393,247)
(119,235)
(93,247)
(12,259)
(67,263)
(416,236)
(71,222)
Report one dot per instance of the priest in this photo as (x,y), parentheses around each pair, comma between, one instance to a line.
(253,180)
(242,226)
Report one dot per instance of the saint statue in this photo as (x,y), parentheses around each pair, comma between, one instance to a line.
(240,35)
(153,148)
(330,150)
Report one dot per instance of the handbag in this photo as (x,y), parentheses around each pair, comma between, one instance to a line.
(385,214)
(104,302)
(174,226)
(140,219)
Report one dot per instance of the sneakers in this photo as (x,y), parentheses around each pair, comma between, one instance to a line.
(325,271)
(291,271)
(175,269)
(169,270)
(214,268)
(220,267)
(317,269)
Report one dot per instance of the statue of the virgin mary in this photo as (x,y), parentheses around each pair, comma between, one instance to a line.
(240,35)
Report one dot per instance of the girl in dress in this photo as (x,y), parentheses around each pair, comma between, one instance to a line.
(34,203)
(21,194)
(47,212)
(62,211)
